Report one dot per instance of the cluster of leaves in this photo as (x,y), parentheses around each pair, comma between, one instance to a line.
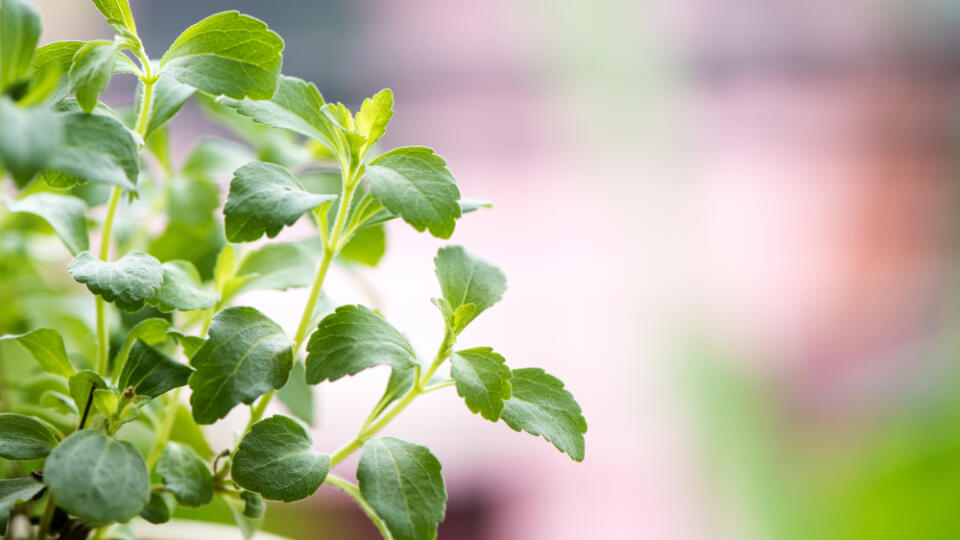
(97,436)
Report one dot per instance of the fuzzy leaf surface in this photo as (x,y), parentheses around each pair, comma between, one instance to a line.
(275,459)
(128,281)
(182,289)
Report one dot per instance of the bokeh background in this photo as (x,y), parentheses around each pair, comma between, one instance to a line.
(728,225)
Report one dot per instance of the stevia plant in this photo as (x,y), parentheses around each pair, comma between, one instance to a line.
(94,429)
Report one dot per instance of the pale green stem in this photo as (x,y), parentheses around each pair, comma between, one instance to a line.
(47,517)
(354,492)
(166,427)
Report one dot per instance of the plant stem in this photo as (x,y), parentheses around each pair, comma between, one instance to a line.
(371,429)
(49,508)
(163,433)
(103,339)
(354,492)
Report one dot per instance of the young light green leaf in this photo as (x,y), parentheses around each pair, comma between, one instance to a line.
(253,505)
(414,182)
(275,459)
(97,478)
(352,339)
(297,395)
(181,289)
(540,406)
(263,198)
(29,139)
(128,282)
(367,246)
(46,347)
(66,215)
(185,475)
(23,437)
(472,205)
(246,356)
(465,279)
(118,14)
(295,106)
(227,53)
(58,401)
(375,113)
(97,148)
(54,60)
(91,70)
(152,373)
(248,526)
(14,491)
(403,484)
(83,384)
(169,96)
(159,508)
(19,32)
(190,344)
(483,380)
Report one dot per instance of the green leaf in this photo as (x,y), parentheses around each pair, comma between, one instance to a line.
(128,282)
(275,459)
(23,437)
(414,182)
(99,149)
(91,71)
(169,96)
(46,347)
(19,32)
(263,198)
(185,475)
(159,508)
(483,380)
(118,14)
(352,339)
(97,478)
(152,331)
(367,246)
(67,215)
(403,484)
(14,491)
(54,60)
(28,140)
(295,106)
(278,266)
(81,385)
(152,373)
(297,395)
(465,279)
(181,289)
(540,406)
(375,113)
(238,508)
(227,53)
(472,205)
(246,356)
(253,506)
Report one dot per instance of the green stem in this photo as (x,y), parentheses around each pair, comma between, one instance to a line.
(47,517)
(371,429)
(166,427)
(354,492)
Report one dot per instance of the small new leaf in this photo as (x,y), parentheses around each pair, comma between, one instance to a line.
(253,505)
(185,475)
(97,478)
(23,437)
(415,183)
(14,491)
(118,14)
(181,289)
(275,459)
(464,280)
(128,282)
(403,484)
(352,339)
(152,373)
(483,380)
(91,70)
(246,356)
(263,198)
(374,116)
(65,214)
(82,385)
(46,347)
(160,507)
(540,406)
(227,53)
